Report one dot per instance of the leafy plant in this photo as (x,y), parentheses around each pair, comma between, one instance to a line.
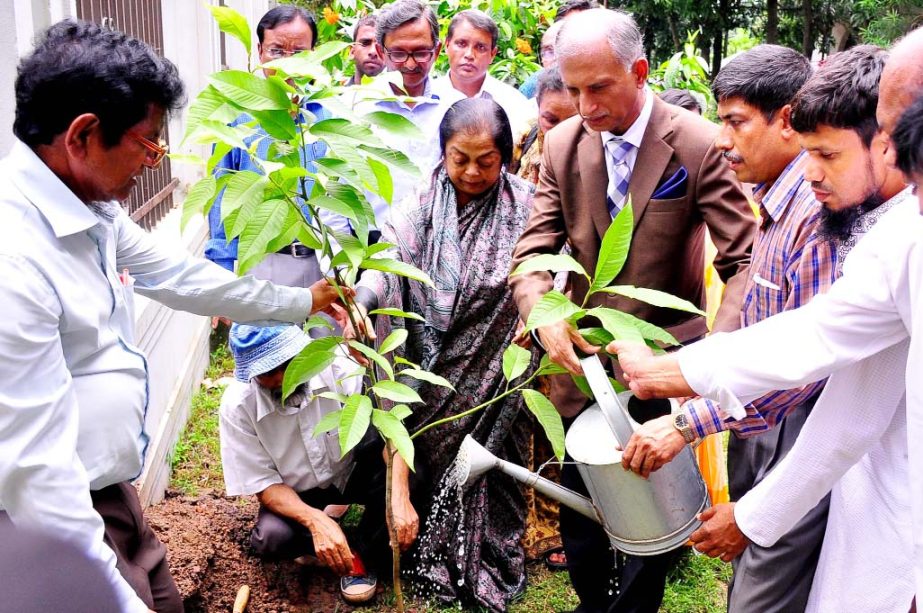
(554,306)
(285,201)
(688,70)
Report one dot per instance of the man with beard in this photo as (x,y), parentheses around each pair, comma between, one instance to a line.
(364,52)
(856,439)
(790,265)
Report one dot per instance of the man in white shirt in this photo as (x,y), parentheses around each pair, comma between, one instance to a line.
(407,37)
(73,383)
(863,333)
(269,448)
(471,44)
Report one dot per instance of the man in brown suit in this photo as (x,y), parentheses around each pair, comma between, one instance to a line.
(625,141)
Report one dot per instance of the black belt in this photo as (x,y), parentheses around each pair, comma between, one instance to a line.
(296,250)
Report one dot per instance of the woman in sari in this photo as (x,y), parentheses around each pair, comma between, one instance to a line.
(461,230)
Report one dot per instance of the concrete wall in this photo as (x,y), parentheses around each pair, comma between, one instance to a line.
(176,343)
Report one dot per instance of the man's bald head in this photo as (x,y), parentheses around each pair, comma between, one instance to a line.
(588,29)
(901,81)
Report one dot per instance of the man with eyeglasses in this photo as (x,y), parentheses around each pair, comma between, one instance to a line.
(74,385)
(471,44)
(282,32)
(364,52)
(408,38)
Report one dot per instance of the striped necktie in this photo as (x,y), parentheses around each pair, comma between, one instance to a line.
(619,173)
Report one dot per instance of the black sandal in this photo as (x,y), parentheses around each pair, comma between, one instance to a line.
(555,565)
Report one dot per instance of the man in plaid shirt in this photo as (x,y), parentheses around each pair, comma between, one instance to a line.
(789,265)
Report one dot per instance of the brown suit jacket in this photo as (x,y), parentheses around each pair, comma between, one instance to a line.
(667,249)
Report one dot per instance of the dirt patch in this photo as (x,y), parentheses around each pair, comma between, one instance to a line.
(207,538)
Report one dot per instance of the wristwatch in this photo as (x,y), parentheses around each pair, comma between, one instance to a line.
(682,424)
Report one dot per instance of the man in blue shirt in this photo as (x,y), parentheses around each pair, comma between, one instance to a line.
(282,32)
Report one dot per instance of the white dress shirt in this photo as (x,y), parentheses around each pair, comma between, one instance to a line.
(519,110)
(634,135)
(264,443)
(73,385)
(859,332)
(426,114)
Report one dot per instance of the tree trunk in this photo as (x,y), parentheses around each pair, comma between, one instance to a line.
(772,22)
(717,47)
(807,15)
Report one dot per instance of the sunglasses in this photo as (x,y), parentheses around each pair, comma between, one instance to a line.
(155,151)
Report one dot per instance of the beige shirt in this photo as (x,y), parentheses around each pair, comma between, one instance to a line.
(264,443)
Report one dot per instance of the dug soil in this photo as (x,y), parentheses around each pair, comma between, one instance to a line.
(207,538)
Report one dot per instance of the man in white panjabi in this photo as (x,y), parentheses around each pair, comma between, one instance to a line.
(856,440)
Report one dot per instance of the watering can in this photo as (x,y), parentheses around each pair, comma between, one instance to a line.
(642,517)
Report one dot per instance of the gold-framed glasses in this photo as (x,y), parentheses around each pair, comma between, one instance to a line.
(155,151)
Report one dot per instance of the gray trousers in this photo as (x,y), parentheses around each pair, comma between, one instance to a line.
(777,578)
(284,269)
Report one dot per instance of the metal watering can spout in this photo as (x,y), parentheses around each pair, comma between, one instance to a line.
(474,460)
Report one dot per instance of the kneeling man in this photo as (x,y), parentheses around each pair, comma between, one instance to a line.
(268,449)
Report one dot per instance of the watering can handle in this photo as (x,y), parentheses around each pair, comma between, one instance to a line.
(608,401)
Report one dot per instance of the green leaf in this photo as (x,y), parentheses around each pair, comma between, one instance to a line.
(597,336)
(333,130)
(266,223)
(351,246)
(294,221)
(399,360)
(425,375)
(357,414)
(245,189)
(549,418)
(251,92)
(317,321)
(394,430)
(552,308)
(654,297)
(278,124)
(209,105)
(623,326)
(395,124)
(328,422)
(401,411)
(210,131)
(392,158)
(397,267)
(397,313)
(551,263)
(304,366)
(341,170)
(198,195)
(398,392)
(515,361)
(393,341)
(614,249)
(233,23)
(250,203)
(583,385)
(374,356)
(337,206)
(547,367)
(383,181)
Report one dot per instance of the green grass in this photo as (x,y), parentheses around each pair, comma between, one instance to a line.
(196,460)
(697,585)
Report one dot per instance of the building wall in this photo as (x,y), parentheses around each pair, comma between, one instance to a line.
(176,343)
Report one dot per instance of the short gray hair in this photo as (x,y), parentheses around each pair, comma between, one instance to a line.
(624,37)
(403,12)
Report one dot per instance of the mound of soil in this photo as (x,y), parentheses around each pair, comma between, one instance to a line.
(207,538)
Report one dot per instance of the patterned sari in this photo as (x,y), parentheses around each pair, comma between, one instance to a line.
(470,320)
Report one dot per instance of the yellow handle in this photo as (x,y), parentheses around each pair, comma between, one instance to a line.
(243,597)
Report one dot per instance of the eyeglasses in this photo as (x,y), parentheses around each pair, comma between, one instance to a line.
(547,53)
(399,56)
(276,52)
(155,151)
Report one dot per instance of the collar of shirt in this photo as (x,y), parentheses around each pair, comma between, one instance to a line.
(64,211)
(447,91)
(773,199)
(635,133)
(386,79)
